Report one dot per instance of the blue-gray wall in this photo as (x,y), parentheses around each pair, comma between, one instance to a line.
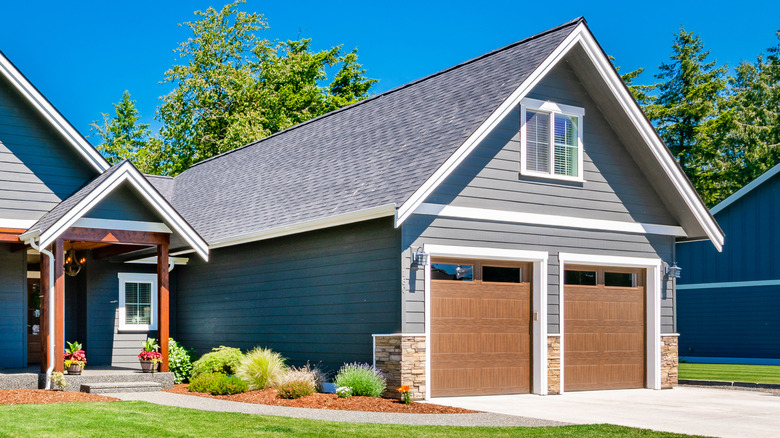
(316,296)
(13,306)
(734,322)
(38,168)
(123,204)
(614,189)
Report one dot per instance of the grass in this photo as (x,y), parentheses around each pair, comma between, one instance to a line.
(140,419)
(730,372)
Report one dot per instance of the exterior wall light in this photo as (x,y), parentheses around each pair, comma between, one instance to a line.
(673,271)
(420,258)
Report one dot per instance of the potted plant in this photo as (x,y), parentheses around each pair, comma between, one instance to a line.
(75,358)
(150,358)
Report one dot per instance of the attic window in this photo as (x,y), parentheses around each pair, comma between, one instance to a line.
(551,140)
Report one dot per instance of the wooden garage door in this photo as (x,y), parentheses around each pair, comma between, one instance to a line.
(604,328)
(480,328)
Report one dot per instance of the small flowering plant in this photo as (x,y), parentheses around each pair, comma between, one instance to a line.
(74,355)
(406,394)
(344,391)
(149,351)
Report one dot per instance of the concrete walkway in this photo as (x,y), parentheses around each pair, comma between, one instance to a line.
(210,404)
(701,411)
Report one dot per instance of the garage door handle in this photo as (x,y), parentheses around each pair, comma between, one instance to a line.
(536,316)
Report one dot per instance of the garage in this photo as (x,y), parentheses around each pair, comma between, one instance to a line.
(604,328)
(480,327)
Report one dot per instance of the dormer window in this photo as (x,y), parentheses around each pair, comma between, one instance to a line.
(551,140)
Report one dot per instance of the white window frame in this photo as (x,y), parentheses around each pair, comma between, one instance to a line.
(551,108)
(132,277)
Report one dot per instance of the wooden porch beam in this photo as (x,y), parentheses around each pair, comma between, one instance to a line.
(163,317)
(115,250)
(10,234)
(115,236)
(59,305)
(45,266)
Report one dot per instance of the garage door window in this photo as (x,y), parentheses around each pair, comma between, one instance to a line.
(499,274)
(619,279)
(444,271)
(580,278)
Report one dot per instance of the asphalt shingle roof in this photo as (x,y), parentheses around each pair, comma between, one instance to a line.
(375,152)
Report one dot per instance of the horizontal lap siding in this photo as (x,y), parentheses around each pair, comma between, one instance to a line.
(13,299)
(37,167)
(123,204)
(614,189)
(315,296)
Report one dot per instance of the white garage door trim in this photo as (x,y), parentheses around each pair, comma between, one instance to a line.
(653,297)
(538,305)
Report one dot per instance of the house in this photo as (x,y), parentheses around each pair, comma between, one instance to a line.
(501,226)
(728,301)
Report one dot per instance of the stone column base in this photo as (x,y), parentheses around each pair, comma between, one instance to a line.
(553,364)
(402,359)
(669,362)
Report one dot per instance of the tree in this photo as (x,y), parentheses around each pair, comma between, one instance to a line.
(687,113)
(640,92)
(234,88)
(124,138)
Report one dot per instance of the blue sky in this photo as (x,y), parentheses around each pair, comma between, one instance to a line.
(83,55)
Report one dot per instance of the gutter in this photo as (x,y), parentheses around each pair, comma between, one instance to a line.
(30,240)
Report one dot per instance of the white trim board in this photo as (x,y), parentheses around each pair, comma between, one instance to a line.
(134,277)
(55,119)
(653,305)
(117,224)
(125,172)
(729,284)
(19,224)
(747,189)
(548,219)
(538,303)
(582,36)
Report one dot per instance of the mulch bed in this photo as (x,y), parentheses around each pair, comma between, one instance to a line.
(41,396)
(328,401)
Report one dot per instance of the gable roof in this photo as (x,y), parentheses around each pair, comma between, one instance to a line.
(67,212)
(374,153)
(766,176)
(51,114)
(397,147)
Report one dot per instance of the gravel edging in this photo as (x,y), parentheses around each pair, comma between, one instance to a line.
(727,384)
(209,404)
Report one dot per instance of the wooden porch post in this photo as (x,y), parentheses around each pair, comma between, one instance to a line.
(59,305)
(45,312)
(162,302)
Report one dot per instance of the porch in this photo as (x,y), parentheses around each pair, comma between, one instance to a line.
(92,379)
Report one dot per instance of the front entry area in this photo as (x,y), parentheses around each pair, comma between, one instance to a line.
(604,328)
(480,327)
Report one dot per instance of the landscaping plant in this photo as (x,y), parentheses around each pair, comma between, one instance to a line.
(74,355)
(293,389)
(179,361)
(149,352)
(344,392)
(220,360)
(262,368)
(217,384)
(312,375)
(406,394)
(58,381)
(362,378)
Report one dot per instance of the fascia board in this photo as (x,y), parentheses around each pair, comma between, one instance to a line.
(747,189)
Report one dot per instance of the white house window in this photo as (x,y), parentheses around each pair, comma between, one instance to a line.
(551,140)
(137,302)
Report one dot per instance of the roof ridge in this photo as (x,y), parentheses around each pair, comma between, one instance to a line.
(573,22)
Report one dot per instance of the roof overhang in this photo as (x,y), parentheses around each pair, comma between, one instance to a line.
(581,36)
(55,119)
(125,172)
(746,189)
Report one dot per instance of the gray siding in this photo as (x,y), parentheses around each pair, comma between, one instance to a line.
(13,299)
(735,322)
(316,296)
(104,343)
(614,189)
(123,204)
(37,167)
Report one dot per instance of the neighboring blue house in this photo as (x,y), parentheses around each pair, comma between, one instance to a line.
(728,303)
(501,226)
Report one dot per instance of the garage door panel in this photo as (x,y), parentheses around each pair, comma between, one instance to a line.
(457,343)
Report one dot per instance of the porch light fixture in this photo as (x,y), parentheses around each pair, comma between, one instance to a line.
(73,264)
(420,257)
(673,271)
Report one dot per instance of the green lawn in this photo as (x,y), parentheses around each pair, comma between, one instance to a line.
(139,419)
(730,373)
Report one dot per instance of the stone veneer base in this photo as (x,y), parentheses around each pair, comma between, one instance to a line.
(669,345)
(402,359)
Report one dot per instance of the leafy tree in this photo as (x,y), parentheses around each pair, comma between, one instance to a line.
(687,113)
(233,87)
(124,138)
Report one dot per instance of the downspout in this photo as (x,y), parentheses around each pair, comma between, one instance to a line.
(48,253)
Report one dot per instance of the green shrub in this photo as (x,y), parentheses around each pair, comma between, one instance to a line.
(220,360)
(296,389)
(312,375)
(217,384)
(362,378)
(179,361)
(262,368)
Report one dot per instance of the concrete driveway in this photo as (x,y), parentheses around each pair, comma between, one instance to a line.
(700,411)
